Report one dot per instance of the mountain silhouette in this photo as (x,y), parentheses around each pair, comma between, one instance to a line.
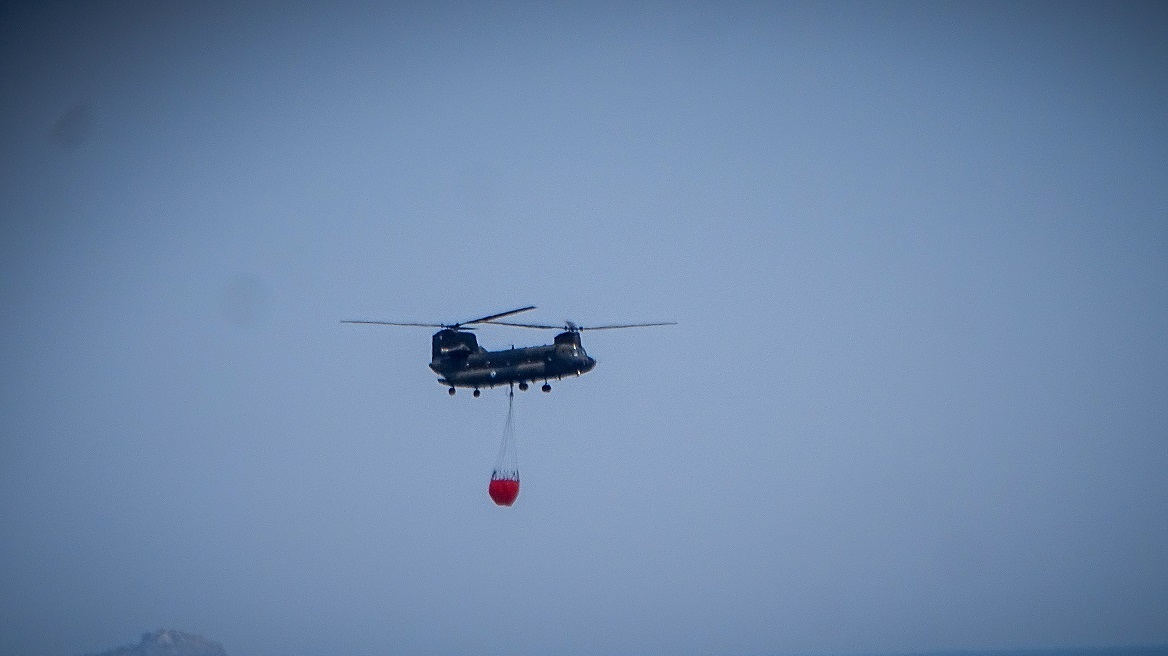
(168,642)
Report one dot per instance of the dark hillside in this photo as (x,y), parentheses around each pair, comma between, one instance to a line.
(168,642)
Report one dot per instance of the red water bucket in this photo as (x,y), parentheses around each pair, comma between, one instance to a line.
(504,491)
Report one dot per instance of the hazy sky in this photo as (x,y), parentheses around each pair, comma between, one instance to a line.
(917,397)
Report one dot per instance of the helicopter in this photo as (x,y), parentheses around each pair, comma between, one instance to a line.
(459,361)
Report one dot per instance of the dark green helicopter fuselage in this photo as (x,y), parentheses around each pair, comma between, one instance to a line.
(459,361)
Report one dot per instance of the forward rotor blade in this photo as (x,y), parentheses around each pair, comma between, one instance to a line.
(395,323)
(508,313)
(527,325)
(452,326)
(574,327)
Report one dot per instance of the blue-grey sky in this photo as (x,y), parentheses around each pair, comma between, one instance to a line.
(917,398)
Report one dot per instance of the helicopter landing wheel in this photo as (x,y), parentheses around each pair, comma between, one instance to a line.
(477,393)
(450,391)
(546,388)
(523,386)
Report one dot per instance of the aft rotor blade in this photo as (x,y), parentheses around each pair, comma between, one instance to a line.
(499,316)
(626,325)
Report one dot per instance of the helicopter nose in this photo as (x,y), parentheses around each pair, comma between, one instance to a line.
(589,363)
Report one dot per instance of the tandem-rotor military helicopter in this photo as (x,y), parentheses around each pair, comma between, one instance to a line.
(459,361)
